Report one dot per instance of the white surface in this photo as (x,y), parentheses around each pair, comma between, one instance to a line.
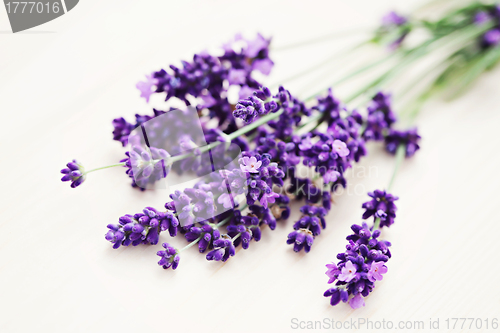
(59,92)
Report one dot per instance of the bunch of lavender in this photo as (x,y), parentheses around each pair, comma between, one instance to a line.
(270,130)
(259,176)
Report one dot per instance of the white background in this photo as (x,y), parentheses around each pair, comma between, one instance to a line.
(62,83)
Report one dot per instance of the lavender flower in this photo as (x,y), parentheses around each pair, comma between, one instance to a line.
(123,129)
(207,234)
(259,104)
(205,77)
(359,267)
(246,234)
(481,17)
(393,30)
(260,183)
(380,117)
(491,38)
(169,257)
(301,239)
(393,18)
(141,228)
(146,166)
(409,139)
(74,173)
(250,164)
(381,206)
(147,87)
(223,249)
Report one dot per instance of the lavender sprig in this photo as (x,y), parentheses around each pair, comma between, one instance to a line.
(365,258)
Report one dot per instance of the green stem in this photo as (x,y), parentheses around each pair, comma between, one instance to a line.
(190,244)
(319,39)
(317,66)
(227,219)
(351,75)
(105,167)
(400,155)
(236,237)
(245,129)
(376,225)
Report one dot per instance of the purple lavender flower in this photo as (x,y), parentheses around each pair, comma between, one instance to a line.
(209,77)
(313,219)
(380,117)
(147,87)
(223,249)
(146,166)
(194,205)
(260,183)
(348,272)
(331,176)
(121,130)
(259,104)
(263,65)
(208,234)
(74,173)
(376,271)
(169,257)
(393,18)
(330,107)
(332,272)
(301,239)
(393,25)
(381,206)
(340,148)
(491,38)
(246,232)
(409,139)
(256,46)
(141,228)
(293,112)
(279,210)
(359,267)
(481,17)
(250,164)
(328,153)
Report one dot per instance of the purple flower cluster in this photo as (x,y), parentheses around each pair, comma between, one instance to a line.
(207,233)
(122,128)
(409,139)
(142,228)
(380,117)
(382,207)
(245,230)
(261,174)
(223,249)
(169,257)
(393,30)
(74,173)
(491,37)
(393,18)
(259,104)
(363,263)
(146,166)
(262,103)
(205,77)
